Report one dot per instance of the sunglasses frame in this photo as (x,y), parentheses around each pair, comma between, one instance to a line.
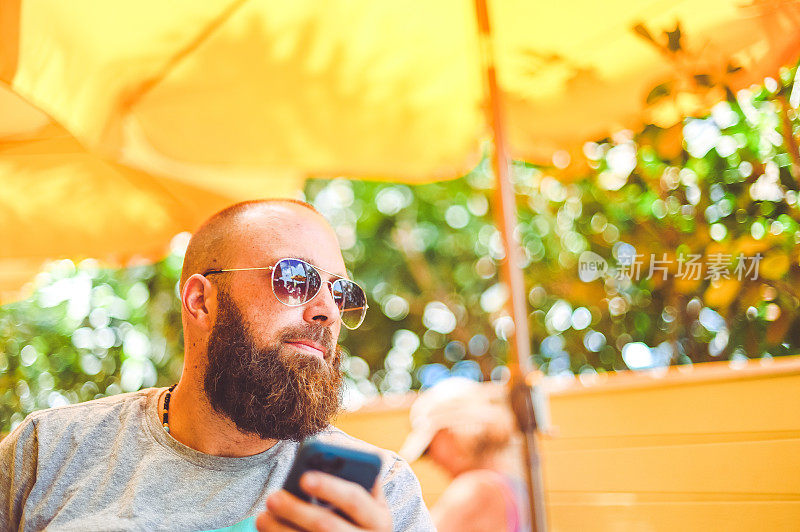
(322,282)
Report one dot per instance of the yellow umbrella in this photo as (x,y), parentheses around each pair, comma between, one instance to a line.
(212,91)
(233,96)
(373,89)
(58,200)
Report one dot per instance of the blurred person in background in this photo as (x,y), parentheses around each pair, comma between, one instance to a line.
(468,429)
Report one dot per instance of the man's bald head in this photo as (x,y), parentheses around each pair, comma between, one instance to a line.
(270,368)
(214,244)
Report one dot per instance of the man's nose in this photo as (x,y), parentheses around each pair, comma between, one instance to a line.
(322,309)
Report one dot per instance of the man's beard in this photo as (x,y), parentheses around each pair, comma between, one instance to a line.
(267,391)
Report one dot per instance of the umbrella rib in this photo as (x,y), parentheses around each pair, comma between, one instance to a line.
(148,84)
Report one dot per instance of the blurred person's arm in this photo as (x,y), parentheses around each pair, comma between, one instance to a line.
(473,501)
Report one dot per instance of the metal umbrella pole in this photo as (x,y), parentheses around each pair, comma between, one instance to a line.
(505,212)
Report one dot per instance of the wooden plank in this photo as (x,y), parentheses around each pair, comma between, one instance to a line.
(757,404)
(556,444)
(758,467)
(732,516)
(604,383)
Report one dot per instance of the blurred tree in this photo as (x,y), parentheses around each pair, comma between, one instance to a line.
(88,332)
(669,246)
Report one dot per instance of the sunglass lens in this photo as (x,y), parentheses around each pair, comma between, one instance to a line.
(294,282)
(351,300)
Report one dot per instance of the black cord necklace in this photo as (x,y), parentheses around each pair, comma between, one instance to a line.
(165,419)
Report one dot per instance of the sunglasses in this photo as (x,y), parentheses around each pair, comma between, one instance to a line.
(296,282)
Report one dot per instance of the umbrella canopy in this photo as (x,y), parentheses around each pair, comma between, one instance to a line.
(373,89)
(233,99)
(59,200)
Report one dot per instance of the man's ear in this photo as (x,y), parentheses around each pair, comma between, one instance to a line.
(198,300)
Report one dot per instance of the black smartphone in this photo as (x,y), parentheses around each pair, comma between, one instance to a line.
(356,466)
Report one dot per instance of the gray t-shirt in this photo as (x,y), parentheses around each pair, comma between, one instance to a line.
(109,465)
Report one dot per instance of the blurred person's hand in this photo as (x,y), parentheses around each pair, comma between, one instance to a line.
(365,510)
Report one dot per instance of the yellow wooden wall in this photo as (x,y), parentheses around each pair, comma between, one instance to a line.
(709,448)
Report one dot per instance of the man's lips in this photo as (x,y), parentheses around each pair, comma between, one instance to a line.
(308,346)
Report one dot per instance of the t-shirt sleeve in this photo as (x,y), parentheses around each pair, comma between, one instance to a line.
(404,495)
(18,464)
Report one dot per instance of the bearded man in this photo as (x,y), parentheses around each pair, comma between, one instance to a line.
(264,293)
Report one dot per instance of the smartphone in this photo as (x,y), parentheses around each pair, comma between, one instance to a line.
(356,466)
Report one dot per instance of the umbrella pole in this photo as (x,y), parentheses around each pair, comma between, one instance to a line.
(506,218)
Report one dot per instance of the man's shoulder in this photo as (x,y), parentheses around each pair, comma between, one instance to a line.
(95,407)
(84,416)
(393,464)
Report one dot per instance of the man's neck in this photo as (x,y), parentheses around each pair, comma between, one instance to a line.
(194,423)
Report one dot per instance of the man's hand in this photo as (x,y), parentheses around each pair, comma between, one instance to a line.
(366,511)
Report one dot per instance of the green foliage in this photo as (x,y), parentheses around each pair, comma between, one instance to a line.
(89,332)
(725,185)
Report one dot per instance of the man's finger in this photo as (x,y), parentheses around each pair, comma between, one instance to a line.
(267,522)
(361,507)
(378,495)
(303,515)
